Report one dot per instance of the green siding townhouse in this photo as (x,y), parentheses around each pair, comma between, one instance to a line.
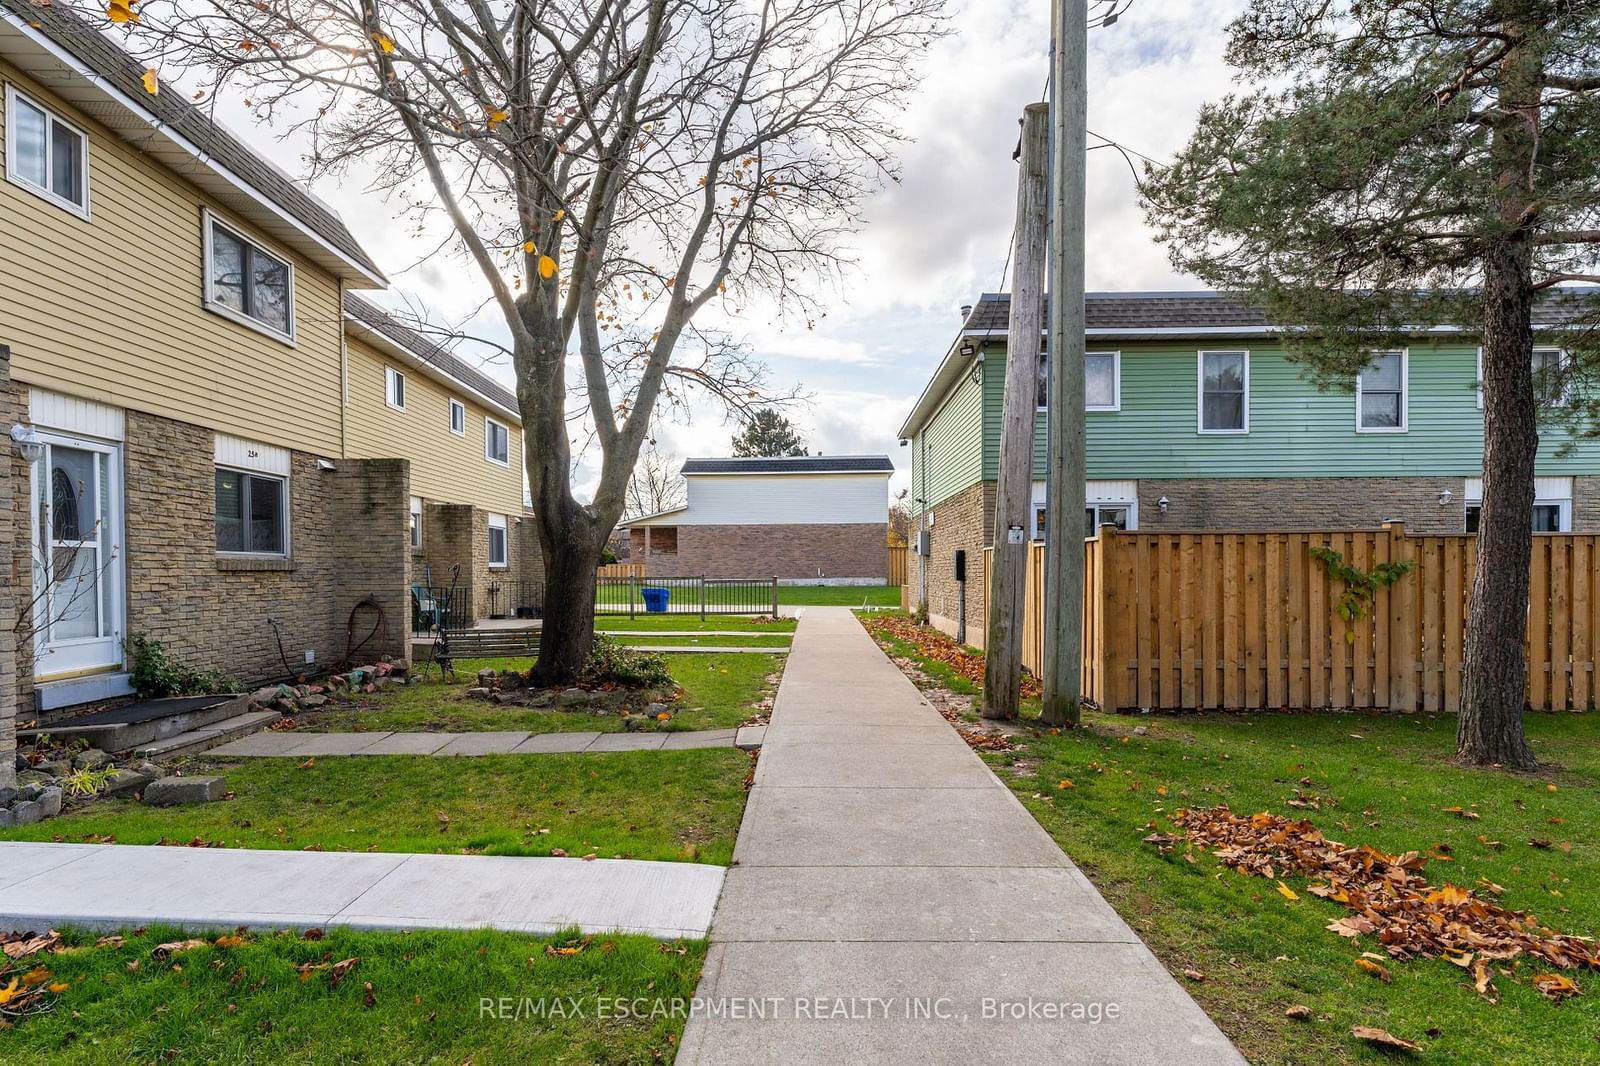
(1196,419)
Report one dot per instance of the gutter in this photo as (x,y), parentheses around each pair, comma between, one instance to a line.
(383,342)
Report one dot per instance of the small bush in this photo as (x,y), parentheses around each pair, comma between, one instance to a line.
(611,662)
(154,675)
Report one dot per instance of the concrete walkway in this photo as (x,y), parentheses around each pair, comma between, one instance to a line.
(113,886)
(891,901)
(295,743)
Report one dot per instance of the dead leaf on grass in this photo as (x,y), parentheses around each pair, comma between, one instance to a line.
(1375,970)
(1299,1012)
(1383,1038)
(1555,986)
(341,969)
(173,947)
(21,945)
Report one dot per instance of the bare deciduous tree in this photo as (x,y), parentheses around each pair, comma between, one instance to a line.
(609,167)
(655,485)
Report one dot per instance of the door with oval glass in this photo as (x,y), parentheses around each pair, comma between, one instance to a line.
(78,603)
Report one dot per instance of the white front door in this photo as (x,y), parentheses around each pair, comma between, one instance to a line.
(78,604)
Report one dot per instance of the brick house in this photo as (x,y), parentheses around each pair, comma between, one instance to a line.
(812,519)
(1196,419)
(213,441)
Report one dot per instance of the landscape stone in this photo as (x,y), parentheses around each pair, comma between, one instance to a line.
(488,676)
(50,801)
(657,708)
(148,769)
(7,819)
(31,791)
(312,701)
(173,791)
(55,767)
(571,696)
(92,759)
(27,812)
(477,693)
(126,781)
(34,777)
(543,699)
(7,794)
(265,695)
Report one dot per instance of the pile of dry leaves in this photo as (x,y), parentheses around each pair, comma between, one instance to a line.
(1390,898)
(932,644)
(25,988)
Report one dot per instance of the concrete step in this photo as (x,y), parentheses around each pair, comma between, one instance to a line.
(135,725)
(211,736)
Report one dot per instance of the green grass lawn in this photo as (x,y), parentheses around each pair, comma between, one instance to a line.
(839,595)
(1378,780)
(249,1004)
(686,623)
(758,640)
(671,805)
(720,691)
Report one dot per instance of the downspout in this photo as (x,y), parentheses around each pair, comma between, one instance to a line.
(344,377)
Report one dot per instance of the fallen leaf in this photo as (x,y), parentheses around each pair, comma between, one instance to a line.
(1375,970)
(1556,986)
(1383,1038)
(21,945)
(341,969)
(1286,892)
(1299,1012)
(1194,975)
(172,947)
(151,81)
(308,764)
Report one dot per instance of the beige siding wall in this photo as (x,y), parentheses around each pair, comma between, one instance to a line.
(445,468)
(110,308)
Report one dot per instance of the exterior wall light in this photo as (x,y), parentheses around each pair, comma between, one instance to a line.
(27,442)
(1162,504)
(1445,496)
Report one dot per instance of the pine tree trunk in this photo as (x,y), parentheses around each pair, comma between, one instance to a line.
(1489,725)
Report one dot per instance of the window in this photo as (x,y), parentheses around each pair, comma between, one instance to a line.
(497,541)
(1549,366)
(46,156)
(1102,381)
(1224,392)
(1096,515)
(458,418)
(394,388)
(416,522)
(496,442)
(246,283)
(1109,503)
(1381,394)
(252,513)
(1552,504)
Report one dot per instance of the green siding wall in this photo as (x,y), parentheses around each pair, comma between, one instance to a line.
(948,453)
(1295,430)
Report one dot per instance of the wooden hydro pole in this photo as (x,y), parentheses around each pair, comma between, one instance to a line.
(1002,672)
(1063,550)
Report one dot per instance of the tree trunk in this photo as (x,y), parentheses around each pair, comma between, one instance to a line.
(1489,724)
(568,633)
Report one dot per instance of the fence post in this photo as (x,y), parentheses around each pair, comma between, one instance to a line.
(1402,615)
(630,581)
(774,595)
(702,599)
(1113,655)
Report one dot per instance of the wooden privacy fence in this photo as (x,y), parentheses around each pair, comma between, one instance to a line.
(620,570)
(897,564)
(1250,620)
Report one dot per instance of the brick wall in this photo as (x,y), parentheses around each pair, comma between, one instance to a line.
(1303,503)
(964,521)
(845,552)
(12,532)
(1586,505)
(459,533)
(211,610)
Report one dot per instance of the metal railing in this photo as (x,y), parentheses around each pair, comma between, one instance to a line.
(513,599)
(700,596)
(441,608)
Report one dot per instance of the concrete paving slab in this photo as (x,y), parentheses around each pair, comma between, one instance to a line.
(750,737)
(968,1003)
(336,743)
(25,860)
(627,742)
(888,764)
(266,744)
(411,743)
(488,743)
(116,886)
(889,827)
(555,742)
(699,738)
(891,733)
(543,895)
(1040,903)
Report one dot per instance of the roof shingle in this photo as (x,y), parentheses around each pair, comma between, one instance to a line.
(380,321)
(797,464)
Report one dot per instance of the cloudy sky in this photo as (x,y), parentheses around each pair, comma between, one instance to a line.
(939,238)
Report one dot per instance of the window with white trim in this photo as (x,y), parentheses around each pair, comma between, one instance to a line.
(416,522)
(497,542)
(1549,369)
(1102,381)
(496,442)
(394,388)
(1106,504)
(246,283)
(1224,392)
(1381,394)
(1552,505)
(458,418)
(45,154)
(252,513)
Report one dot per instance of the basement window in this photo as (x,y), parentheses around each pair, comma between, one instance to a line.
(252,513)
(497,542)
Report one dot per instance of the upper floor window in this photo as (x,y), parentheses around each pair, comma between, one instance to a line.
(1224,392)
(1102,381)
(46,155)
(496,442)
(247,283)
(394,388)
(1381,394)
(1550,386)
(458,418)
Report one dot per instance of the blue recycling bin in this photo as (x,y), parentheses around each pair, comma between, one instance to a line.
(655,600)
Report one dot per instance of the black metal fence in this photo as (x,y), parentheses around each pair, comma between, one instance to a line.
(700,596)
(513,599)
(441,608)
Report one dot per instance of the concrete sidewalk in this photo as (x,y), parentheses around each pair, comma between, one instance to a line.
(113,886)
(294,743)
(891,901)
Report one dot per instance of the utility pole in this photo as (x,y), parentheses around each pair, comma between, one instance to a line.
(1002,672)
(1064,532)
